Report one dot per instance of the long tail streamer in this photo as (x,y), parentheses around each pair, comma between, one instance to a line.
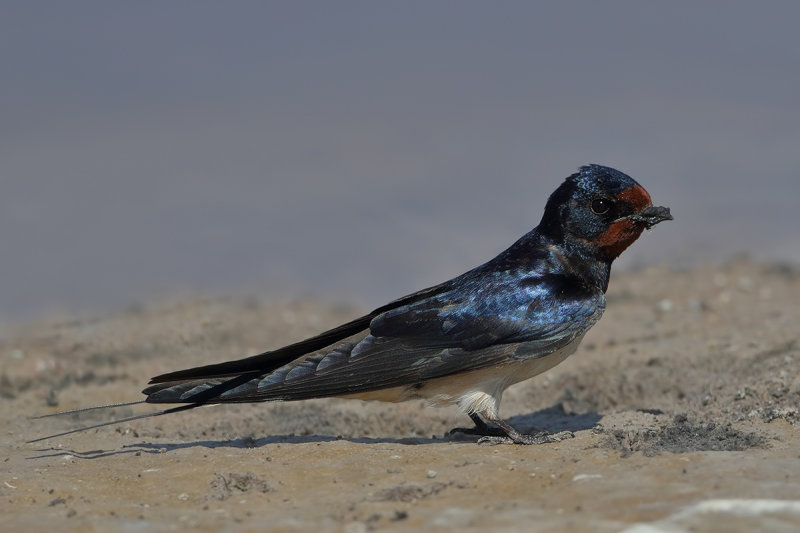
(111,422)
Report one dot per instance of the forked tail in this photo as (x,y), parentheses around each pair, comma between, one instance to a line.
(110,422)
(202,398)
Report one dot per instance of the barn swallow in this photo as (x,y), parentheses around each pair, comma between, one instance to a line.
(463,341)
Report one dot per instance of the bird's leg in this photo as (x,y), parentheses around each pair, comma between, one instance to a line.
(481,428)
(505,433)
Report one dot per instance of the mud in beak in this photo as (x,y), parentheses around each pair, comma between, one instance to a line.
(650,216)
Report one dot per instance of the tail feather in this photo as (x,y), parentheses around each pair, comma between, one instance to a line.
(203,397)
(111,422)
(207,391)
(84,409)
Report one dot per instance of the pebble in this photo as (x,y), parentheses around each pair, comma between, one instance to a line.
(581,477)
(745,283)
(694,304)
(665,305)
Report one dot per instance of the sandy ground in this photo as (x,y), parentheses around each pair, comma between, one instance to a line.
(683,401)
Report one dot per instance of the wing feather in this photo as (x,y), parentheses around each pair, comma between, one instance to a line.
(271,360)
(424,339)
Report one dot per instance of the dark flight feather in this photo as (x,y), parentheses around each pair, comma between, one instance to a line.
(415,342)
(271,360)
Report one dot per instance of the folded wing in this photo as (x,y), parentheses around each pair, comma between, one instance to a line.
(427,335)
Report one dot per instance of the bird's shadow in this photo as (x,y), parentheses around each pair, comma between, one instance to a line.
(555,419)
(552,419)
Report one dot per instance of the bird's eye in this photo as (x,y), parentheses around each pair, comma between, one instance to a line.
(601,207)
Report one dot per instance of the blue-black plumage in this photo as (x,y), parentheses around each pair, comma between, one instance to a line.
(463,341)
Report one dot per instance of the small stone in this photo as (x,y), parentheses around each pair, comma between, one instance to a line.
(665,305)
(695,304)
(581,477)
(355,527)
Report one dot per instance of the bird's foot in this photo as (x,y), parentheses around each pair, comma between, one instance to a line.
(504,433)
(478,431)
(519,438)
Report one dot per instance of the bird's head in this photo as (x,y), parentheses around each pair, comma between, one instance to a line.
(600,211)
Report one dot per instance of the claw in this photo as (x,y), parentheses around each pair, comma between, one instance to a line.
(538,438)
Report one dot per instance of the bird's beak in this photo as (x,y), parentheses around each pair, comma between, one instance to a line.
(650,216)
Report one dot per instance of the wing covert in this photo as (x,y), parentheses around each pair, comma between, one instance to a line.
(538,308)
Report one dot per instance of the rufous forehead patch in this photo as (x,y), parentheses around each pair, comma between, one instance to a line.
(636,196)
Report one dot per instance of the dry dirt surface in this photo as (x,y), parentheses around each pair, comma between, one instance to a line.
(683,401)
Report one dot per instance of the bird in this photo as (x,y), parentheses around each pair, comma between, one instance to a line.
(462,342)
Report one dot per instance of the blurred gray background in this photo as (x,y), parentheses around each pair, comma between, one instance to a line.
(362,150)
